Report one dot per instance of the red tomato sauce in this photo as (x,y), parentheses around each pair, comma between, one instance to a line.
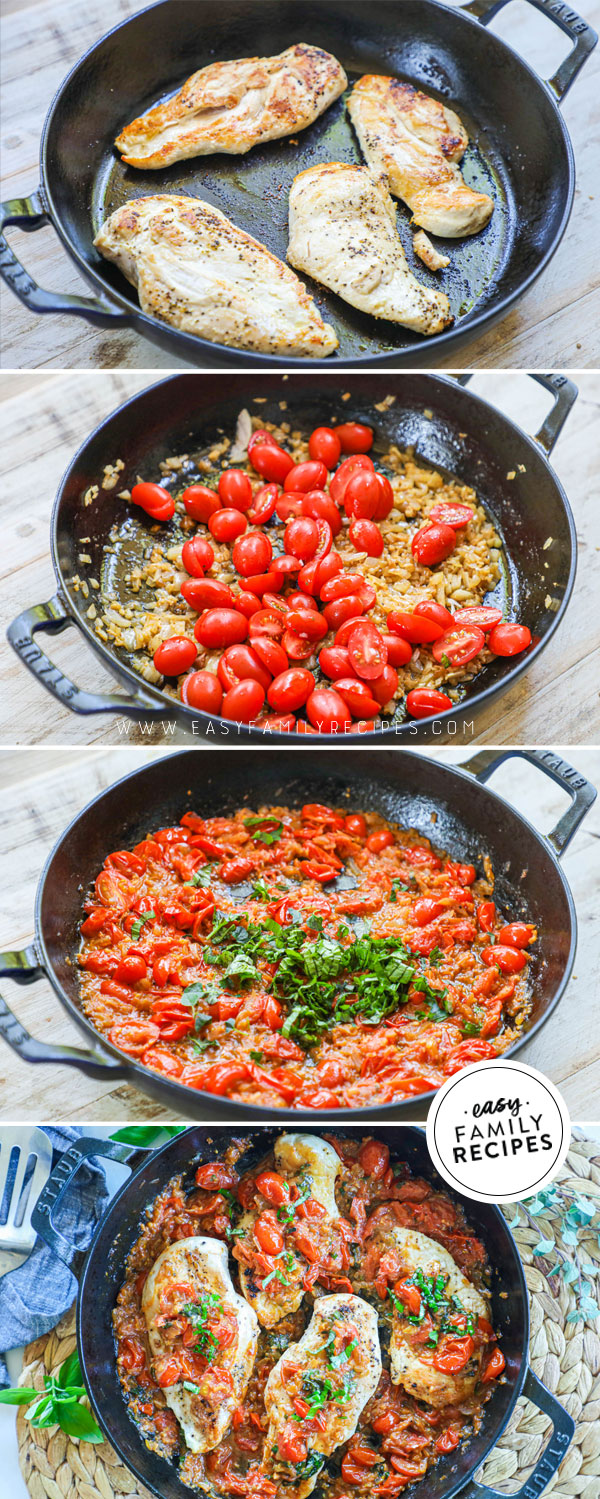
(398,1437)
(308,958)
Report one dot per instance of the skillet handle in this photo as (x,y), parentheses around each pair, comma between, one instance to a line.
(31,214)
(584,40)
(58,1183)
(563,1428)
(24,968)
(54,618)
(582,793)
(565,394)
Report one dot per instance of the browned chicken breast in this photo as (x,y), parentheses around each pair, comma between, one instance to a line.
(343,232)
(232,106)
(417,142)
(194,269)
(414,1362)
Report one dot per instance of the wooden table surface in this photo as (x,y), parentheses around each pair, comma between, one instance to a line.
(555,324)
(46,417)
(43,789)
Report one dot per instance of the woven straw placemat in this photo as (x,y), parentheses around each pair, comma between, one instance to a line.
(563,1354)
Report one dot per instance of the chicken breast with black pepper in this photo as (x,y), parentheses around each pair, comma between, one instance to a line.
(426,1342)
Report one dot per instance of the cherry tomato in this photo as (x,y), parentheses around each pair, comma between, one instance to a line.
(486,915)
(385,687)
(464,873)
(306,476)
(235,489)
(386,498)
(243,702)
(252,554)
(156,501)
(509,640)
(493,1366)
(297,647)
(291,689)
(175,655)
(324,446)
(341,586)
(320,506)
(432,544)
(200,502)
(414,627)
(264,585)
(374,1156)
(334,661)
(376,842)
(448,1440)
(268,1233)
(469,1051)
(425,702)
(345,629)
(316,573)
(436,612)
(362,495)
(459,645)
(266,622)
(248,603)
(284,722)
(225,525)
(426,910)
(327,711)
(238,663)
(221,627)
(133,1036)
(273,1188)
(131,969)
(263,504)
(343,475)
(356,694)
(270,654)
(366,537)
(454,1356)
(452,515)
(367,651)
(267,458)
(348,607)
(206,593)
(291,1444)
(399,650)
(301,538)
(482,615)
(354,437)
(202,690)
(197,556)
(517,934)
(507,959)
(307,623)
(410,1296)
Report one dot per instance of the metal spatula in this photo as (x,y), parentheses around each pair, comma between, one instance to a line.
(25,1165)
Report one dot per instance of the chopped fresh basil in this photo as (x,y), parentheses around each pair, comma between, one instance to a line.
(264,829)
(203,876)
(140,921)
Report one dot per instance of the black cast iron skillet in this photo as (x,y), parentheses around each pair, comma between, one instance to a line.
(411,789)
(102,1271)
(449,427)
(520,152)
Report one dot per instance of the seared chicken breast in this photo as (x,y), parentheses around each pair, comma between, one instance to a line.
(312,1166)
(202,1332)
(334,1369)
(451,1303)
(343,233)
(417,142)
(232,106)
(194,269)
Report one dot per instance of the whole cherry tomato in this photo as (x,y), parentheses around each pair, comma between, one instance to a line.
(356,824)
(348,607)
(248,603)
(507,959)
(272,1187)
(252,554)
(225,525)
(324,446)
(320,506)
(436,612)
(426,910)
(362,495)
(290,504)
(206,593)
(197,556)
(306,476)
(367,651)
(243,703)
(448,1440)
(459,645)
(385,687)
(268,1233)
(238,663)
(517,934)
(301,538)
(327,711)
(235,489)
(366,537)
(386,498)
(202,690)
(221,627)
(200,502)
(156,501)
(291,689)
(425,702)
(399,650)
(509,640)
(432,544)
(264,504)
(175,655)
(377,842)
(268,458)
(334,661)
(417,628)
(307,623)
(454,1355)
(354,437)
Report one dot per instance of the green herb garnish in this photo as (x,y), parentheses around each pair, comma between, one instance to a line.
(59,1404)
(140,921)
(264,829)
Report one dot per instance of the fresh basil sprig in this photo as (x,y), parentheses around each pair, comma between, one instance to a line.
(59,1403)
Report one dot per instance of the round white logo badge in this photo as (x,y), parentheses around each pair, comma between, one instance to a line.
(498,1131)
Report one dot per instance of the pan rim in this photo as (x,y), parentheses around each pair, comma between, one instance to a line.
(178,1091)
(454,1487)
(247,733)
(465,329)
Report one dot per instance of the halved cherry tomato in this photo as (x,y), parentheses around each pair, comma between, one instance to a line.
(324,446)
(315,871)
(354,437)
(320,506)
(197,556)
(385,687)
(248,603)
(225,525)
(454,1355)
(507,959)
(448,1440)
(200,502)
(266,622)
(290,689)
(482,615)
(493,1366)
(436,612)
(425,702)
(238,663)
(432,544)
(343,475)
(252,554)
(221,627)
(290,504)
(345,630)
(399,650)
(348,607)
(517,934)
(374,1156)
(377,842)
(133,1036)
(486,915)
(270,653)
(366,537)
(243,702)
(417,628)
(206,593)
(426,910)
(156,501)
(235,489)
(307,623)
(367,651)
(362,495)
(291,1444)
(297,647)
(334,661)
(268,458)
(268,1233)
(459,645)
(263,504)
(202,690)
(316,573)
(509,640)
(452,515)
(327,711)
(301,538)
(306,476)
(356,694)
(175,655)
(410,1296)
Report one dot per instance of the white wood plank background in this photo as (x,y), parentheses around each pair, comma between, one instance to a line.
(46,416)
(557,322)
(41,789)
